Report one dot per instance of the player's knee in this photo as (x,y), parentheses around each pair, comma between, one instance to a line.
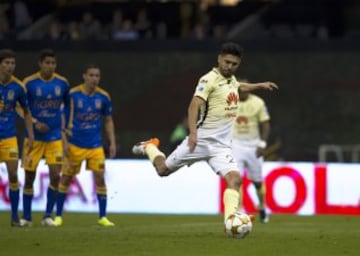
(233,179)
(162,169)
(65,180)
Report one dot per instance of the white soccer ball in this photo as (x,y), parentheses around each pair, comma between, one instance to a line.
(238,225)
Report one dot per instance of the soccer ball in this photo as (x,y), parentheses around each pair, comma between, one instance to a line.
(238,225)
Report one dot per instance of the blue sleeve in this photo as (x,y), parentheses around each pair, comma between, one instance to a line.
(67,109)
(23,98)
(108,107)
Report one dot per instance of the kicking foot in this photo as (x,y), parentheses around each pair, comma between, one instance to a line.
(139,148)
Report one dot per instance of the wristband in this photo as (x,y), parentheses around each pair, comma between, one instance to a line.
(261,144)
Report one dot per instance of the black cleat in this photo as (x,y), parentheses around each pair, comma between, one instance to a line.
(15,223)
(264,218)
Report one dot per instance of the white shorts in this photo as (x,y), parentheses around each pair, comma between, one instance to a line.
(246,158)
(217,155)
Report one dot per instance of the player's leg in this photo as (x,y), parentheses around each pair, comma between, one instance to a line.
(54,159)
(150,148)
(64,184)
(30,161)
(255,175)
(12,168)
(96,163)
(222,162)
(232,194)
(9,154)
(260,192)
(101,193)
(71,167)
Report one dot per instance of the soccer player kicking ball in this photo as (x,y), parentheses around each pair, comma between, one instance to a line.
(216,98)
(89,104)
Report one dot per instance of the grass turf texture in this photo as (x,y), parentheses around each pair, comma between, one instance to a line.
(182,235)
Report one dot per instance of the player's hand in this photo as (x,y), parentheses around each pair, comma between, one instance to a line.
(66,148)
(269,86)
(42,127)
(30,143)
(112,151)
(192,141)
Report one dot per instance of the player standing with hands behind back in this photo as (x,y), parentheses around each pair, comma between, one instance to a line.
(89,105)
(250,132)
(216,99)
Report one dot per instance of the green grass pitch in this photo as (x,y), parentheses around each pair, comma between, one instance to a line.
(172,235)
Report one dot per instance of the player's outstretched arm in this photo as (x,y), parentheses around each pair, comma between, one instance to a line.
(247,87)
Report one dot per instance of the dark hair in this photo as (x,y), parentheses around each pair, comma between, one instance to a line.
(231,48)
(90,66)
(6,53)
(46,53)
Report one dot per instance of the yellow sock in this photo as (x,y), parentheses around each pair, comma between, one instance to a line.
(152,152)
(231,202)
(261,194)
(240,198)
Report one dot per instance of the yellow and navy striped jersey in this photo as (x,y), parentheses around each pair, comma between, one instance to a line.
(11,93)
(86,116)
(46,98)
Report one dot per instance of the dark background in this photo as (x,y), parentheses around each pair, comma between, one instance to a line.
(151,81)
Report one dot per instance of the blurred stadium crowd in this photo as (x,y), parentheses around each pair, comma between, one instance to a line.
(198,20)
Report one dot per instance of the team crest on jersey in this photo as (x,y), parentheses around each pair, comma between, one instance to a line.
(98,104)
(10,95)
(38,91)
(80,104)
(232,98)
(57,91)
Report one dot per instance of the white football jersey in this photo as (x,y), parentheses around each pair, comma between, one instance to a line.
(222,100)
(250,114)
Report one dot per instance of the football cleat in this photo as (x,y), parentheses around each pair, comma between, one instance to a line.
(15,223)
(48,222)
(25,223)
(264,218)
(139,148)
(105,222)
(58,221)
(251,216)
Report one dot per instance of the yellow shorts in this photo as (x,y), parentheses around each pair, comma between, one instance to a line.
(95,160)
(52,151)
(9,149)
